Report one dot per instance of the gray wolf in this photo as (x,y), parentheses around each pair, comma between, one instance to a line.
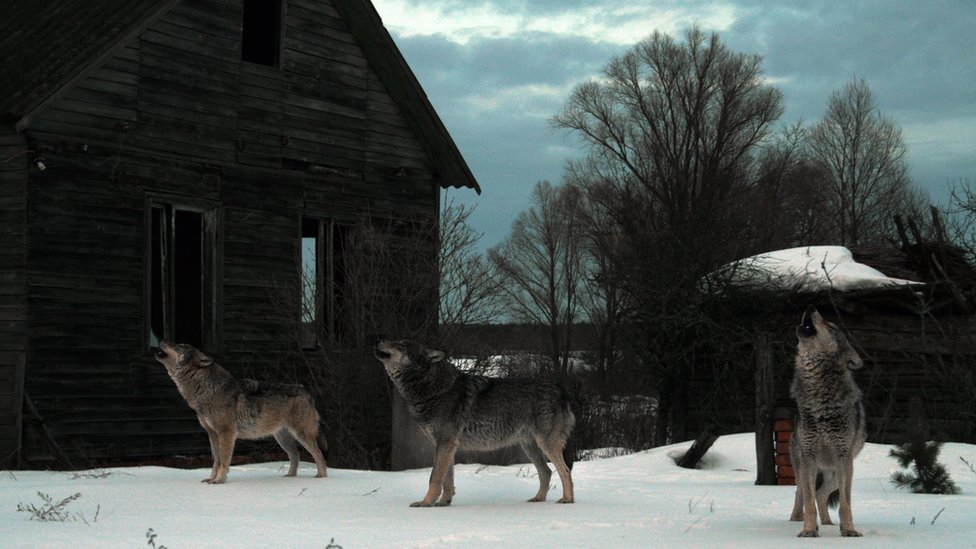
(829,430)
(457,409)
(229,409)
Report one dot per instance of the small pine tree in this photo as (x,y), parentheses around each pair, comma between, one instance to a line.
(930,476)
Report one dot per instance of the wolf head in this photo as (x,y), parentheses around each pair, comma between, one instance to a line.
(398,356)
(181,357)
(817,337)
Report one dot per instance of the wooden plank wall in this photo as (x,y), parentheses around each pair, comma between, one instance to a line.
(178,113)
(14,162)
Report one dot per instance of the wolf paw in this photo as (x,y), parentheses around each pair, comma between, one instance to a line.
(442,503)
(536,499)
(850,533)
(566,500)
(420,503)
(808,534)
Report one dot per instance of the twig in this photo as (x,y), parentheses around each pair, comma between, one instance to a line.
(937,516)
(371,492)
(694,523)
(692,506)
(970,465)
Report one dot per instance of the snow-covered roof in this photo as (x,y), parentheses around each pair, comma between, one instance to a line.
(810,269)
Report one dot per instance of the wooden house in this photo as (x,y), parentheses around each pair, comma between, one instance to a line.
(161,162)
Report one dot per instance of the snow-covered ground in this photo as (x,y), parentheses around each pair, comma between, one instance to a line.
(638,500)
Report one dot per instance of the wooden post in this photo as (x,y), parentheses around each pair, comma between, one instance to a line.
(45,434)
(20,374)
(765,452)
(11,395)
(698,449)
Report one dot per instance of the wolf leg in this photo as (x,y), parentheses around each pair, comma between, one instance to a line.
(443,459)
(447,494)
(554,451)
(309,439)
(534,454)
(226,439)
(827,487)
(797,514)
(214,452)
(845,475)
(288,444)
(807,474)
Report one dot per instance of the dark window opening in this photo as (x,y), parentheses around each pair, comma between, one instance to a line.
(323,281)
(261,33)
(188,277)
(181,281)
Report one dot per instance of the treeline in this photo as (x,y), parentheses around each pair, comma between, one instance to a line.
(685,169)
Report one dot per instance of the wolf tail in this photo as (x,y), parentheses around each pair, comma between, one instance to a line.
(569,455)
(833,500)
(323,442)
(570,400)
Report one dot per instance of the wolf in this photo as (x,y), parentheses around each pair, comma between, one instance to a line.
(457,409)
(229,409)
(829,431)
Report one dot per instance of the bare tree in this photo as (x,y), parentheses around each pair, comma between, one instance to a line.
(673,125)
(673,131)
(541,268)
(469,288)
(603,301)
(863,156)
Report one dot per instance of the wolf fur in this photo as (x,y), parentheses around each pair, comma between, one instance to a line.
(829,430)
(229,409)
(456,409)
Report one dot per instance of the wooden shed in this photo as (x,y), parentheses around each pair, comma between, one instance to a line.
(918,343)
(161,162)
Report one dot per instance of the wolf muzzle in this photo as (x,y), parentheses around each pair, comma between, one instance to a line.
(807,327)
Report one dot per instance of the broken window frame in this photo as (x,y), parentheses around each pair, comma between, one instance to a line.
(330,320)
(210,266)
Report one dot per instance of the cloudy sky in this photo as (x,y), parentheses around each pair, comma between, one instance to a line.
(497,70)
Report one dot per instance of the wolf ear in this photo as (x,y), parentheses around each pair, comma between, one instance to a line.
(850,357)
(204,360)
(435,356)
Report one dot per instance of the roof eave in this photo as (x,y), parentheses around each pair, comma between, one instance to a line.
(388,62)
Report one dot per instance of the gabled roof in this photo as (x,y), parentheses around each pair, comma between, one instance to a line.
(385,58)
(47,46)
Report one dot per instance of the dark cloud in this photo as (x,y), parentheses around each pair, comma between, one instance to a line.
(918,58)
(486,64)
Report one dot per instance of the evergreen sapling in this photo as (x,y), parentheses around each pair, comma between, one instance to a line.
(922,455)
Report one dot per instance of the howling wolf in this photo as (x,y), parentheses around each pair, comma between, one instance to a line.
(456,409)
(829,429)
(230,409)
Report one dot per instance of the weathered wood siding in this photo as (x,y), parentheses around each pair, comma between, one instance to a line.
(905,356)
(177,113)
(14,158)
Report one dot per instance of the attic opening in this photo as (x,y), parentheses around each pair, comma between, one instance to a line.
(261,32)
